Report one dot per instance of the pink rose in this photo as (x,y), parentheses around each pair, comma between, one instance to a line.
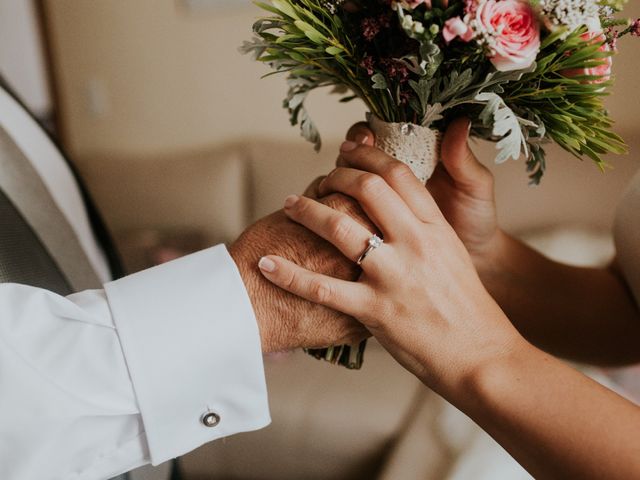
(511,30)
(456,27)
(603,71)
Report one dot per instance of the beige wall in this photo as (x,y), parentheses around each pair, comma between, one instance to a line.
(168,123)
(167,80)
(21,54)
(144,77)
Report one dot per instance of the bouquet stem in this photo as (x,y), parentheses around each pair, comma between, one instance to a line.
(419,148)
(349,356)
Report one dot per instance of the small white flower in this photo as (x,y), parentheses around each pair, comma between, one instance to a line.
(410,25)
(332,5)
(572,14)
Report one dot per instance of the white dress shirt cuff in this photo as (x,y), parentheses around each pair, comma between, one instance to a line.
(192,347)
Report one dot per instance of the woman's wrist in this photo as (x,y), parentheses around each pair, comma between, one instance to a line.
(489,259)
(485,386)
(495,264)
(475,355)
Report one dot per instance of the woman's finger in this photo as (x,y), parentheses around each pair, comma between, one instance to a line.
(462,165)
(339,229)
(312,190)
(361,133)
(350,298)
(399,177)
(380,202)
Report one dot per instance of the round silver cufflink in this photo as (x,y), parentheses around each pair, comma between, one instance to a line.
(210,419)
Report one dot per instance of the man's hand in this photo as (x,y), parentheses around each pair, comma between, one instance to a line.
(286,321)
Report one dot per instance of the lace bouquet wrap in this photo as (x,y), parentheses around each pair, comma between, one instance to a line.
(525,72)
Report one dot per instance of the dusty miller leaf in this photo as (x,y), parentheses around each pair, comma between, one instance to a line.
(423,89)
(432,57)
(505,125)
(432,114)
(453,85)
(299,89)
(413,64)
(309,130)
(379,82)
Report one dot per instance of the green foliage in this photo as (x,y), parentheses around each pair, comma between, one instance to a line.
(505,125)
(570,109)
(520,110)
(616,5)
(307,43)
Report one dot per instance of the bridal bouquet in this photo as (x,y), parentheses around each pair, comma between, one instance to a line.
(526,72)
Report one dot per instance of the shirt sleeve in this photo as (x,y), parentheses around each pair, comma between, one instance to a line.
(151,367)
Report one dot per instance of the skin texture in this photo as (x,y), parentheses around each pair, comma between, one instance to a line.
(395,294)
(582,314)
(421,295)
(285,321)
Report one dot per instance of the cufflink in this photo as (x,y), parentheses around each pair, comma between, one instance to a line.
(210,419)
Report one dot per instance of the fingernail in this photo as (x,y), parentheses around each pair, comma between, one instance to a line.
(362,139)
(267,265)
(291,200)
(348,146)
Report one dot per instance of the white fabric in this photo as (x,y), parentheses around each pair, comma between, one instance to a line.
(101,382)
(627,236)
(48,162)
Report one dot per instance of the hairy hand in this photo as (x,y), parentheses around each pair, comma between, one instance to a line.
(285,320)
(419,293)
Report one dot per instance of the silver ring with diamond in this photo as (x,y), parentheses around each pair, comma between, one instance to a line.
(374,243)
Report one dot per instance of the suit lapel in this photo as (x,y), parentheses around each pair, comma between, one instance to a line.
(97,223)
(23,257)
(22,185)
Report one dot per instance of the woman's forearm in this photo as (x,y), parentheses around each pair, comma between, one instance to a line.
(420,295)
(553,420)
(584,314)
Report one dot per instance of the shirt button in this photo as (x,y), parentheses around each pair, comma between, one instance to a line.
(210,419)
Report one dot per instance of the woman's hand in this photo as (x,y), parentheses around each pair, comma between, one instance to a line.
(419,293)
(462,187)
(548,302)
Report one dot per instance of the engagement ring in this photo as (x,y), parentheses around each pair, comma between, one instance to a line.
(374,242)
